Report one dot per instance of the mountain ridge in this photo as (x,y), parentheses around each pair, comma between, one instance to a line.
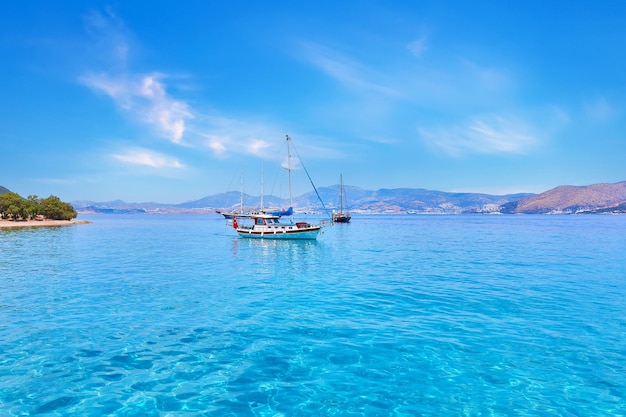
(563,199)
(567,199)
(399,200)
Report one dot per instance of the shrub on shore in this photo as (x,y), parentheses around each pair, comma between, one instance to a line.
(13,206)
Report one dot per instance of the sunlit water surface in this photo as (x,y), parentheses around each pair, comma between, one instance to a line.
(138,315)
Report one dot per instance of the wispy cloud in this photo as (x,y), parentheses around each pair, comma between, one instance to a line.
(147,99)
(486,77)
(446,82)
(217,144)
(143,96)
(418,46)
(226,135)
(165,112)
(145,157)
(110,36)
(345,70)
(450,85)
(239,142)
(489,134)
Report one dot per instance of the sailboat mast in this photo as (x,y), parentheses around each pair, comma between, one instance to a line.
(261,186)
(340,193)
(241,192)
(289,170)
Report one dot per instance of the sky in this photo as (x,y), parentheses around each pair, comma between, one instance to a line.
(172,101)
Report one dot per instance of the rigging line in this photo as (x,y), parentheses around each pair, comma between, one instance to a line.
(310,180)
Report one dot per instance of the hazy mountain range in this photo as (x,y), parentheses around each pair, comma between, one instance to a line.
(596,198)
(565,199)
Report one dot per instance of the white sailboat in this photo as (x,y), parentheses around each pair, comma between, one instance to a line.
(267,225)
(232,214)
(240,213)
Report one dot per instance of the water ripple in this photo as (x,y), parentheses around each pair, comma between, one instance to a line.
(451,315)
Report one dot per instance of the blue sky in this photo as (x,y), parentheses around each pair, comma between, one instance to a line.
(171,101)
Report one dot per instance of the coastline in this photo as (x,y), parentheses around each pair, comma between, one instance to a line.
(10,224)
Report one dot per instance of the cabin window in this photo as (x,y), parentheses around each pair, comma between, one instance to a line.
(259,221)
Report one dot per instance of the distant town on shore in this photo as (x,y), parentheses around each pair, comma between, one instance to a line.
(600,198)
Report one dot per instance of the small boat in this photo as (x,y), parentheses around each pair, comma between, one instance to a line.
(267,225)
(340,216)
(228,214)
(288,212)
(232,214)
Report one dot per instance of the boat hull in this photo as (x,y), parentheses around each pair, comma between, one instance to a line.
(280,234)
(341,218)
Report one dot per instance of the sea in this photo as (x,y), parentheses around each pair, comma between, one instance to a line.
(389,315)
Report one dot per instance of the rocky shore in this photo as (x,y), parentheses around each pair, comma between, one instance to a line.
(7,224)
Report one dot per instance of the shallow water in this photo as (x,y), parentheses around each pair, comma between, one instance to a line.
(388,315)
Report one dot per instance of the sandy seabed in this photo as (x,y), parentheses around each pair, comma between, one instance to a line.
(39,223)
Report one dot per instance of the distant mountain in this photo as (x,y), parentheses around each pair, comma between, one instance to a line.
(118,207)
(4,190)
(596,198)
(232,200)
(400,200)
(360,200)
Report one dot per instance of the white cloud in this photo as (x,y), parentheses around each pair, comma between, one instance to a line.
(144,97)
(145,157)
(490,134)
(227,135)
(236,142)
(216,144)
(167,113)
(258,146)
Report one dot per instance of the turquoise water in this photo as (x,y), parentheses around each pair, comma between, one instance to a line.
(137,315)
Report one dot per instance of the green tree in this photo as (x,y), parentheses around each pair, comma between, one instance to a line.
(12,205)
(33,206)
(53,208)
